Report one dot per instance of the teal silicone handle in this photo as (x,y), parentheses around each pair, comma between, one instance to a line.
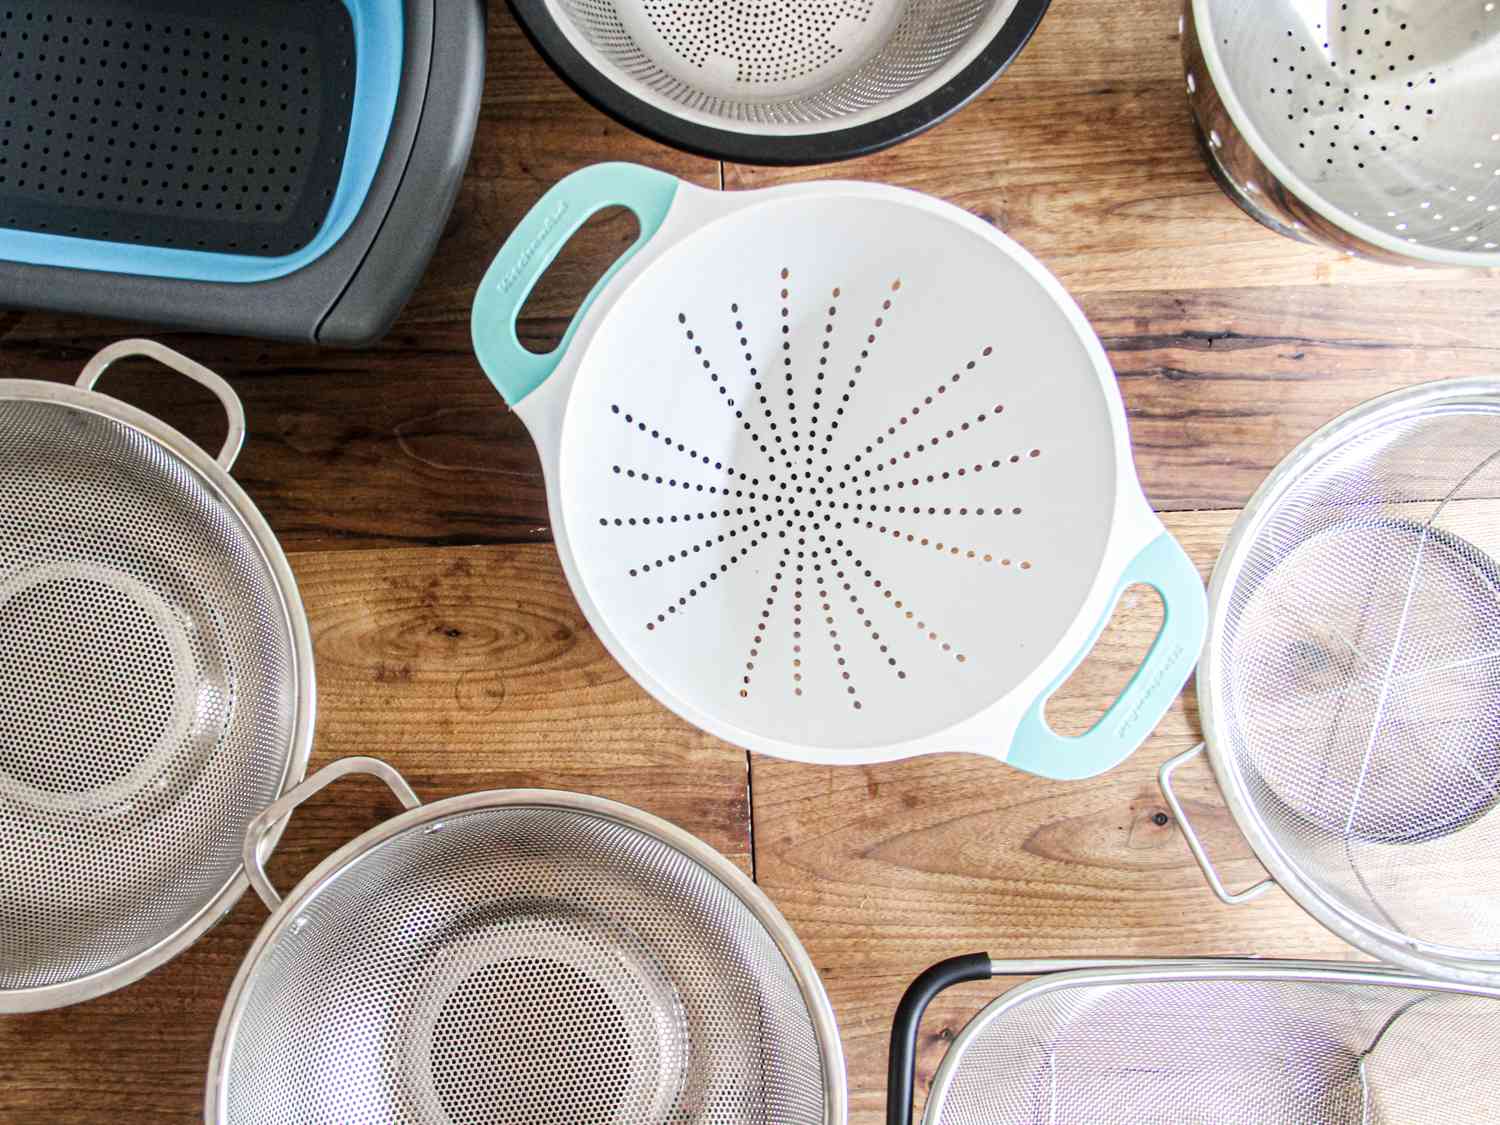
(533,246)
(1132,717)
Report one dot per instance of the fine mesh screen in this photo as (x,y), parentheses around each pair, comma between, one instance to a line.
(209,125)
(1228,1052)
(1359,660)
(146,696)
(779,62)
(535,966)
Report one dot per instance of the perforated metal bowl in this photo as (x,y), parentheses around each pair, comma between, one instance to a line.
(780,81)
(1368,126)
(156,684)
(521,957)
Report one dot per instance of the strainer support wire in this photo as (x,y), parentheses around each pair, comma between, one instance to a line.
(1050,974)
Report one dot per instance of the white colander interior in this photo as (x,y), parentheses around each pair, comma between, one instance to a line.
(771,67)
(1387,112)
(839,471)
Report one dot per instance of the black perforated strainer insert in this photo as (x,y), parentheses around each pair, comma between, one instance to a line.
(212,125)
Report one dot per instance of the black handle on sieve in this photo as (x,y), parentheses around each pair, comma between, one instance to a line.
(902,1075)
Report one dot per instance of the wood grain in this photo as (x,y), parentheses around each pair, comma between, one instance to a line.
(466,669)
(1231,343)
(884,870)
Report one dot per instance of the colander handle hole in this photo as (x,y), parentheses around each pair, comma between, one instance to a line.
(261,833)
(531,249)
(180,363)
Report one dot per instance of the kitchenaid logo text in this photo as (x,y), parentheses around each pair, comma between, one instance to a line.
(509,278)
(1149,692)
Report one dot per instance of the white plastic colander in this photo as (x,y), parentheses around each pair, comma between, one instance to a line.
(838,472)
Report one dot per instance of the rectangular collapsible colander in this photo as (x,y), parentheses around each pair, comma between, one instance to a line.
(838,472)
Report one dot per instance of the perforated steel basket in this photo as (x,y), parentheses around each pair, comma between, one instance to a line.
(1208,1042)
(780,81)
(525,957)
(156,684)
(1365,125)
(1350,685)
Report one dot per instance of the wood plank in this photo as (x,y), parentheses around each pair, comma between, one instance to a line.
(1219,386)
(884,870)
(1085,152)
(406,443)
(466,669)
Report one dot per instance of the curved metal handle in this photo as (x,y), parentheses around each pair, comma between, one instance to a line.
(533,246)
(183,366)
(901,1073)
(254,850)
(1164,779)
(1036,748)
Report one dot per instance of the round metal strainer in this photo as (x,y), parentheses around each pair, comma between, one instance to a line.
(1350,687)
(525,957)
(1230,1041)
(155,684)
(780,81)
(1371,126)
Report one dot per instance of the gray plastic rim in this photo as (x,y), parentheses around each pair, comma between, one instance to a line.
(224,487)
(1413,956)
(1060,975)
(734,880)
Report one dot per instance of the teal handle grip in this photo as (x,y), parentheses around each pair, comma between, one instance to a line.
(1132,717)
(534,245)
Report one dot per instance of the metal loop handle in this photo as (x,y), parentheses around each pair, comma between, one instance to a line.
(1164,779)
(255,852)
(183,366)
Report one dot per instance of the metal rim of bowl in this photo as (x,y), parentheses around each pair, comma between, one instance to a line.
(602,92)
(819,1008)
(223,486)
(1208,42)
(1404,952)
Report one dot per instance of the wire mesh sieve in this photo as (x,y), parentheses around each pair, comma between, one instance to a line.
(526,957)
(155,686)
(1350,687)
(1222,1042)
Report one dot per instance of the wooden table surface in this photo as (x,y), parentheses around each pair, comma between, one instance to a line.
(447,642)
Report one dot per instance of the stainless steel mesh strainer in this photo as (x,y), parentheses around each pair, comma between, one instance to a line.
(780,81)
(1209,1042)
(526,957)
(1369,125)
(1350,688)
(156,684)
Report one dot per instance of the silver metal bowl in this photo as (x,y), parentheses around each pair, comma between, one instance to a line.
(156,683)
(1368,126)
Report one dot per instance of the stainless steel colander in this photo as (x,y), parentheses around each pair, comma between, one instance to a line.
(1228,1042)
(156,684)
(1369,125)
(1350,687)
(780,81)
(526,957)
